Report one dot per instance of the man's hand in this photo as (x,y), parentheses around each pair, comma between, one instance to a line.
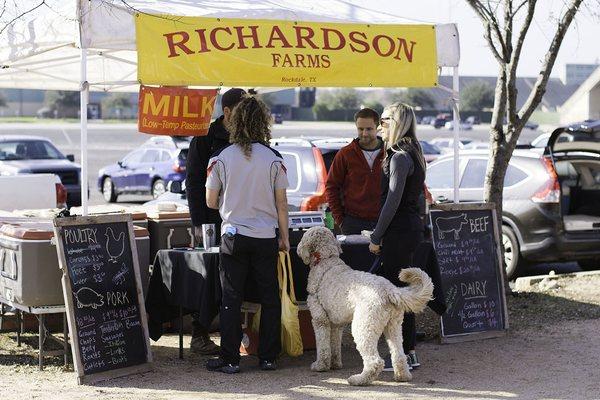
(284,244)
(374,248)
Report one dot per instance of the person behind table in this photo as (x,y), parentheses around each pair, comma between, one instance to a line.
(399,229)
(200,150)
(353,186)
(247,182)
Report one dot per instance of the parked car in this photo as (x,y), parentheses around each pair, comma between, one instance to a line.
(37,155)
(277,118)
(463,125)
(571,134)
(146,170)
(307,161)
(447,144)
(440,120)
(531,125)
(477,145)
(551,207)
(430,151)
(36,191)
(473,120)
(427,120)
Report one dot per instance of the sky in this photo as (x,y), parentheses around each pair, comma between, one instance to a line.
(579,46)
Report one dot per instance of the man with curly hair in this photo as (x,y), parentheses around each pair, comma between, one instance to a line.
(200,151)
(247,183)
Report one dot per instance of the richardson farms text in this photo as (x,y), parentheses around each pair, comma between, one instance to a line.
(305,39)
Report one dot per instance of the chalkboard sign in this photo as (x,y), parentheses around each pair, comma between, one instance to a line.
(103,296)
(466,245)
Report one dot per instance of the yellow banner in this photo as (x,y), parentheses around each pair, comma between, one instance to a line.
(239,52)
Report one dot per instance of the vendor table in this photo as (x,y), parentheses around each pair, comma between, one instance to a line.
(40,312)
(187,280)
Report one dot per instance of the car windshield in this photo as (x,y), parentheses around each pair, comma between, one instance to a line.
(29,150)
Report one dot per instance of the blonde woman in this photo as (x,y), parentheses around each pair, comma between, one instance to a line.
(246,183)
(399,229)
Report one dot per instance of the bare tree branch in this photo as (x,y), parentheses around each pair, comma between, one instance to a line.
(9,23)
(488,36)
(539,87)
(519,7)
(489,19)
(3,8)
(514,62)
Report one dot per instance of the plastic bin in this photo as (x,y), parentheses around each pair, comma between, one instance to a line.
(170,229)
(29,269)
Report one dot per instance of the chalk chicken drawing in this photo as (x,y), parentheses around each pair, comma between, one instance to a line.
(450,224)
(115,246)
(87,297)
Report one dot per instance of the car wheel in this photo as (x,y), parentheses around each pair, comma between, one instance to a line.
(512,255)
(108,190)
(158,188)
(589,264)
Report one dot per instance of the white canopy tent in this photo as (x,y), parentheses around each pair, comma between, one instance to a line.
(90,44)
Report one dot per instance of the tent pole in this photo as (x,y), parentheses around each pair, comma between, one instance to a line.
(84,96)
(456,127)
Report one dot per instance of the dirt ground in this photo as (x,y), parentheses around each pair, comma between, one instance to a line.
(552,351)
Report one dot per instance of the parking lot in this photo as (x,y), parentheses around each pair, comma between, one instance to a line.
(108,143)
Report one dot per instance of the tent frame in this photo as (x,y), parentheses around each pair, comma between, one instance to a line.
(84,100)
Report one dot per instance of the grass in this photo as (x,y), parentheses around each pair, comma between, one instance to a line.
(545,118)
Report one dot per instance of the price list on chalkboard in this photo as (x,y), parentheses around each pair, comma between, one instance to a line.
(104,304)
(465,246)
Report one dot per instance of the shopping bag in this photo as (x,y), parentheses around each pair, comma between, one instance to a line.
(291,339)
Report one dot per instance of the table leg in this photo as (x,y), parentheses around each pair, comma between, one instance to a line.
(19,328)
(180,333)
(41,340)
(65,339)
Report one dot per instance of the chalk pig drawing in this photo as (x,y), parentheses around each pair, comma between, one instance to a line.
(87,297)
(450,224)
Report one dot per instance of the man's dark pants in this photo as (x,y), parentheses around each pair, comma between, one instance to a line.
(243,257)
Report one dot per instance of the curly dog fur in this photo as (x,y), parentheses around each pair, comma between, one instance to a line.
(339,295)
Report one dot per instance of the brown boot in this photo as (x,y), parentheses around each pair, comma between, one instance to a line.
(201,343)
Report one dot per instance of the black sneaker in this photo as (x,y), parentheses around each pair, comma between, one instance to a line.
(413,360)
(267,365)
(387,364)
(218,364)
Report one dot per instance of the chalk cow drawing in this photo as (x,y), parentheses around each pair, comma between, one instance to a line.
(450,224)
(87,297)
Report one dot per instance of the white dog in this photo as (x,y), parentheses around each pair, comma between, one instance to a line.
(338,295)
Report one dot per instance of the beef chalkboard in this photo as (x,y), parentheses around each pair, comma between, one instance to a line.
(102,289)
(464,238)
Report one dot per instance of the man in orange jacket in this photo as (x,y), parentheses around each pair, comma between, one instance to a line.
(353,186)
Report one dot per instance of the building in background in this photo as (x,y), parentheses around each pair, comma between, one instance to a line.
(584,103)
(297,103)
(576,74)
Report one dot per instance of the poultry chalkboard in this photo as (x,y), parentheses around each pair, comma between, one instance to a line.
(102,290)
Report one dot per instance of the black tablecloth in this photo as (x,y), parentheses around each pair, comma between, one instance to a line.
(186,278)
(190,279)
